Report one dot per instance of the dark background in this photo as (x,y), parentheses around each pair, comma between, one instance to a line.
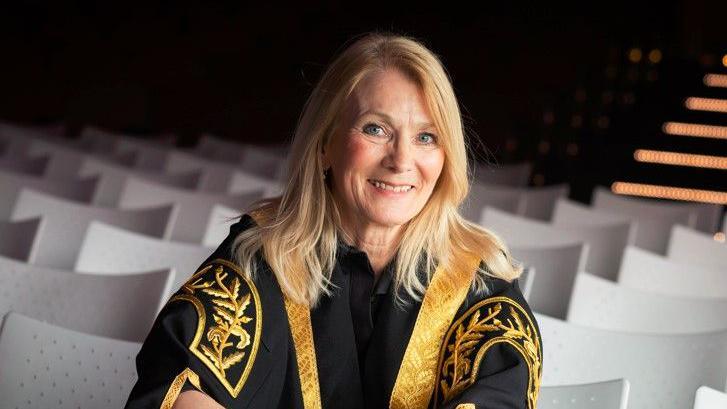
(243,71)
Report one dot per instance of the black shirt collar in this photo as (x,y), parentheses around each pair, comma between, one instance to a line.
(349,254)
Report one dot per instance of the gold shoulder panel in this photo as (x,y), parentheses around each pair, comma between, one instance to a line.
(229,321)
(491,321)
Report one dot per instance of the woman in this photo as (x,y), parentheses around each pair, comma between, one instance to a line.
(362,286)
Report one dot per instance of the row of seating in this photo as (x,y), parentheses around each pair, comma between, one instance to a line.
(598,277)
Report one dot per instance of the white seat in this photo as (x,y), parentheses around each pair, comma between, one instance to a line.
(194,208)
(17,138)
(150,152)
(64,161)
(599,395)
(525,281)
(259,160)
(556,269)
(108,249)
(19,239)
(66,223)
(482,195)
(568,212)
(655,218)
(531,202)
(509,175)
(218,177)
(664,370)
(35,166)
(79,190)
(118,306)
(605,242)
(218,226)
(112,178)
(692,247)
(647,271)
(46,366)
(708,398)
(600,303)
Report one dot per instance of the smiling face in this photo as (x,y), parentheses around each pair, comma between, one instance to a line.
(384,157)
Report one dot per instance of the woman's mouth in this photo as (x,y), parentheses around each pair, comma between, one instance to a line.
(397,188)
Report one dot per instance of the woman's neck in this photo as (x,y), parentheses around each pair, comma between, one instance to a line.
(378,242)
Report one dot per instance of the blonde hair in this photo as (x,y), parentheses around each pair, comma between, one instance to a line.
(298,231)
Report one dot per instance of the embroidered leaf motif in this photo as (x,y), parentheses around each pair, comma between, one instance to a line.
(229,315)
(457,368)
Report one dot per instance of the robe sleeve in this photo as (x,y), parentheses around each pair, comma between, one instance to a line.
(207,336)
(492,357)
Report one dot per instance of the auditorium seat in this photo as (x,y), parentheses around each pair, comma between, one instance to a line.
(655,219)
(65,223)
(605,243)
(47,366)
(118,306)
(689,246)
(516,175)
(112,178)
(647,271)
(600,303)
(78,190)
(34,166)
(598,395)
(664,370)
(708,398)
(194,208)
(19,239)
(556,268)
(108,249)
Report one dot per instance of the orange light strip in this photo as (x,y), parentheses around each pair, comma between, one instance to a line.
(681,159)
(697,130)
(706,104)
(715,80)
(669,192)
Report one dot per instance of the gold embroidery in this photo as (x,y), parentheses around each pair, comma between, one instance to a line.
(176,387)
(466,406)
(305,354)
(230,314)
(418,371)
(459,370)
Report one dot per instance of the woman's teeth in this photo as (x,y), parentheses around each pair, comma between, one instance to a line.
(384,186)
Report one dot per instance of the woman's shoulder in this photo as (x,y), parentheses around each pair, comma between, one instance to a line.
(212,328)
(493,332)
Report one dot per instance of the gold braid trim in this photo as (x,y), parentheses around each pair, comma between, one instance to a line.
(176,387)
(503,317)
(418,371)
(466,406)
(305,354)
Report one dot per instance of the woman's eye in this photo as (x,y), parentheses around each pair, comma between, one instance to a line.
(373,127)
(427,138)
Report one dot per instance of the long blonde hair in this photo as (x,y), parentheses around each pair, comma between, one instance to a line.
(298,231)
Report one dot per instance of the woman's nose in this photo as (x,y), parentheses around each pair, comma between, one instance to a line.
(400,157)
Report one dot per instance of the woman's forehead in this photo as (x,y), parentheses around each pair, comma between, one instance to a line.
(390,96)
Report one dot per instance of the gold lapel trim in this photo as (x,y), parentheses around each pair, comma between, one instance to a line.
(301,329)
(176,387)
(305,354)
(418,371)
(194,347)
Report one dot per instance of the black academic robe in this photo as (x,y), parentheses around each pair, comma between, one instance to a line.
(232,339)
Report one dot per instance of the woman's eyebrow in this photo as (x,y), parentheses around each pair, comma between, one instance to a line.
(421,125)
